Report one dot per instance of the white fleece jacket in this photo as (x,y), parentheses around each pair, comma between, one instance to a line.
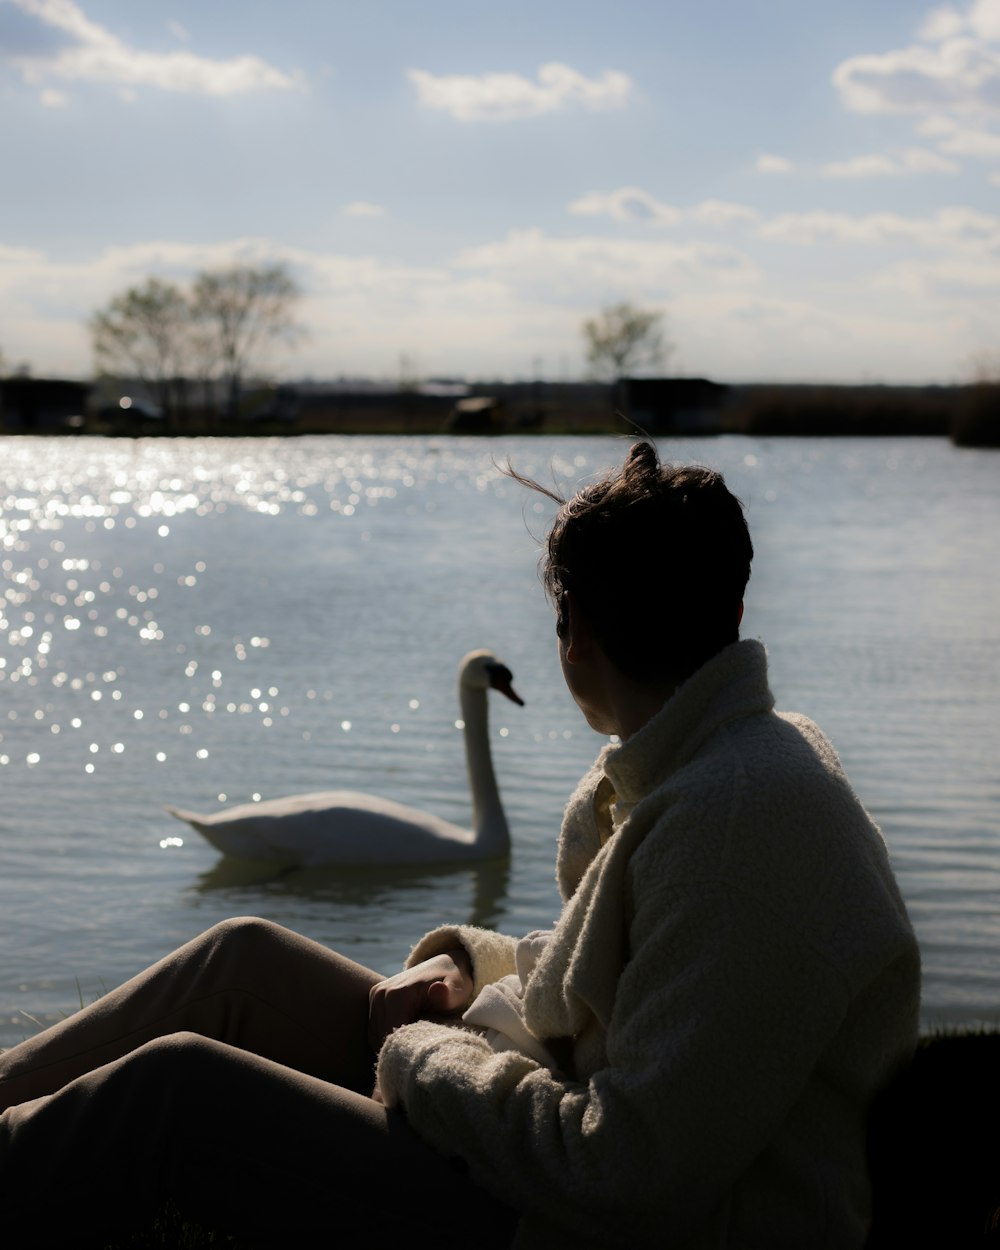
(732,979)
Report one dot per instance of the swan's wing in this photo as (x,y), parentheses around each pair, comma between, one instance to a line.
(331,827)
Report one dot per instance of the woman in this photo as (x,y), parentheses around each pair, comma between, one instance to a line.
(687,1059)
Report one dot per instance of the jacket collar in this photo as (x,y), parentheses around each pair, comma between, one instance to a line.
(730,686)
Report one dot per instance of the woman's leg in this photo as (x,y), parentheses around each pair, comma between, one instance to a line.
(240,1144)
(246,982)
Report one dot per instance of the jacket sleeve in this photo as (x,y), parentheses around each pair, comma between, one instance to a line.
(718,1020)
(491,954)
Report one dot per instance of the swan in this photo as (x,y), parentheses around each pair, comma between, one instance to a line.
(343,827)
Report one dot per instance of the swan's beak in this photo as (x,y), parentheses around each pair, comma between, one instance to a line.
(500,679)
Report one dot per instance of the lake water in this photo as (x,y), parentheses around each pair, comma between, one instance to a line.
(201,622)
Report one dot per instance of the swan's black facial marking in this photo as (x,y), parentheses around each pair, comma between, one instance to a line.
(500,679)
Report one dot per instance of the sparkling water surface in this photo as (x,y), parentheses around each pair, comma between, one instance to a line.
(207,622)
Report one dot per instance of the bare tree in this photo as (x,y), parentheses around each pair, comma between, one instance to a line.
(985,366)
(238,313)
(623,338)
(145,332)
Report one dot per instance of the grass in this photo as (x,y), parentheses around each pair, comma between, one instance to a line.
(170,1231)
(934,1150)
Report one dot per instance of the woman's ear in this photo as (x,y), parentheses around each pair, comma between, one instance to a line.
(562,616)
(577,636)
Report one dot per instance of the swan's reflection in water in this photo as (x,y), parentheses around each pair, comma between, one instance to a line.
(479,891)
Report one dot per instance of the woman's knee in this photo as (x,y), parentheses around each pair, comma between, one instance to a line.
(248,927)
(250,934)
(183,1041)
(178,1056)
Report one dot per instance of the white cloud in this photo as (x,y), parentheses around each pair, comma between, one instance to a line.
(961,139)
(504,97)
(12,257)
(488,310)
(937,124)
(953,228)
(873,166)
(782,337)
(956,70)
(941,24)
(949,81)
(949,228)
(879,165)
(363,208)
(951,278)
(995,179)
(633,206)
(822,228)
(627,204)
(984,18)
(721,213)
(53,99)
(597,269)
(768,163)
(981,144)
(366,309)
(923,161)
(96,55)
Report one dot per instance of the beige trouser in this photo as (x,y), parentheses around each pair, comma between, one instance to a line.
(232,1079)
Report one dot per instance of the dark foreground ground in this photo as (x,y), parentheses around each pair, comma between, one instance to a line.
(934,1148)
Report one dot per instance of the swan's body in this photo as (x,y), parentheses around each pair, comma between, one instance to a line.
(344,827)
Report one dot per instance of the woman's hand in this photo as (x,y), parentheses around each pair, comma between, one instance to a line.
(440,986)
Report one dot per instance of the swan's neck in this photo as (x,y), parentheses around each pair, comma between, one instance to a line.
(489,825)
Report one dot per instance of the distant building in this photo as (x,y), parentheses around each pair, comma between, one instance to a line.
(476,414)
(357,405)
(671,405)
(42,405)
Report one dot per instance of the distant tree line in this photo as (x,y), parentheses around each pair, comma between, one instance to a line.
(185,343)
(194,348)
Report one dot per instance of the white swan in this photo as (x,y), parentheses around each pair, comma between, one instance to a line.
(344,827)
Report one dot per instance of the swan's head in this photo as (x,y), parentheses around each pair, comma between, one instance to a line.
(481,670)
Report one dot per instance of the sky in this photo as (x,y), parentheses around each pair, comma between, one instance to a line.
(808,191)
